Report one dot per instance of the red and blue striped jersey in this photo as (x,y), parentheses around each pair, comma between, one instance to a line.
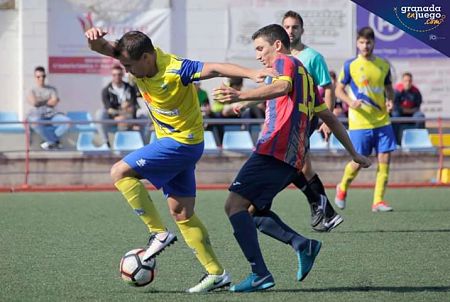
(285,132)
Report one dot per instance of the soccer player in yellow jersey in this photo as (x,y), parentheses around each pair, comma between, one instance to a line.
(370,96)
(165,82)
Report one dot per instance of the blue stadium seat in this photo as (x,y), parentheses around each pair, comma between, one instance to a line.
(317,143)
(237,141)
(6,116)
(335,145)
(127,141)
(84,143)
(416,140)
(210,143)
(81,116)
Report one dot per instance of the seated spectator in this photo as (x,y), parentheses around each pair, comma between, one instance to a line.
(44,99)
(407,103)
(119,103)
(220,110)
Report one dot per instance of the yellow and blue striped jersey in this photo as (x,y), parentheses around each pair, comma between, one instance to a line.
(366,80)
(172,100)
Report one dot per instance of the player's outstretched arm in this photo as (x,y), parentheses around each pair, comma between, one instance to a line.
(99,44)
(214,70)
(341,134)
(225,94)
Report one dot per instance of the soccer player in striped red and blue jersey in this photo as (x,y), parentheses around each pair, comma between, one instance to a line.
(292,99)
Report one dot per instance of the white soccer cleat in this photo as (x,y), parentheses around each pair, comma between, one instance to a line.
(211,282)
(381,206)
(157,243)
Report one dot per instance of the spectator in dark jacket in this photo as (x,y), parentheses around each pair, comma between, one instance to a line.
(407,103)
(119,103)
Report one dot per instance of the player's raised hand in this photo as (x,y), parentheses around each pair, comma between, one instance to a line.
(225,94)
(260,75)
(95,33)
(363,161)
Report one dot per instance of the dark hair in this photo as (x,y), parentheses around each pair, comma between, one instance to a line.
(117,67)
(366,33)
(407,74)
(295,15)
(271,33)
(235,82)
(135,43)
(333,74)
(39,68)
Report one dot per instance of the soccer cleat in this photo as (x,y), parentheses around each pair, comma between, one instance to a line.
(306,258)
(318,210)
(253,283)
(381,206)
(340,197)
(328,224)
(157,243)
(211,282)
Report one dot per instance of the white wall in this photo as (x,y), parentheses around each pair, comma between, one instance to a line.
(9,60)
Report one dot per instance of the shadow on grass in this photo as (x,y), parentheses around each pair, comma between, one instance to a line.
(396,231)
(392,289)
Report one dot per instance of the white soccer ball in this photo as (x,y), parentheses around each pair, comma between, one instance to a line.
(135,271)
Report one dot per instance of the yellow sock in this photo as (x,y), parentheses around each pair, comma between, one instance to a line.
(197,238)
(137,196)
(349,176)
(380,185)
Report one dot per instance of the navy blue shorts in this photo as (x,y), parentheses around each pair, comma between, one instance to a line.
(261,178)
(168,164)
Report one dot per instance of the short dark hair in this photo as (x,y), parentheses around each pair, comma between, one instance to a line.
(135,43)
(366,33)
(117,67)
(292,14)
(235,82)
(39,68)
(407,74)
(271,33)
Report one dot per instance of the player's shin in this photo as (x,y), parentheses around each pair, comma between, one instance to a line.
(381,182)
(137,196)
(349,175)
(197,238)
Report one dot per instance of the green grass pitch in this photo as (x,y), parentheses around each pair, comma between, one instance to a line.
(67,247)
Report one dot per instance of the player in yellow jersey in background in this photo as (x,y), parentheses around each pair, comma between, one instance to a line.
(370,97)
(165,82)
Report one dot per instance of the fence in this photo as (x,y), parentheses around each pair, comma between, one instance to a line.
(26,162)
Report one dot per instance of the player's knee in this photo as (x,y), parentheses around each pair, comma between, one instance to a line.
(117,172)
(234,205)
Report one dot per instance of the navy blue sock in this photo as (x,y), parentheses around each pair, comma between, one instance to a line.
(317,186)
(301,183)
(270,224)
(247,237)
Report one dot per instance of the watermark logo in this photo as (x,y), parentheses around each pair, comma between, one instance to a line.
(420,18)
